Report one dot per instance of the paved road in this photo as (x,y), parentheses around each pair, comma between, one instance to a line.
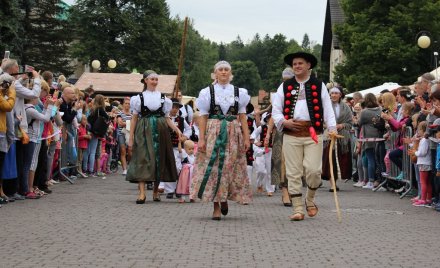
(95,223)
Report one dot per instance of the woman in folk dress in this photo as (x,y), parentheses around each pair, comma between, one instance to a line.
(150,144)
(220,172)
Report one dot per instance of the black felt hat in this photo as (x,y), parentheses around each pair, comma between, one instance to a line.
(176,102)
(304,55)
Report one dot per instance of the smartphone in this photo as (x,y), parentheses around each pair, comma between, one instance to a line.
(7,53)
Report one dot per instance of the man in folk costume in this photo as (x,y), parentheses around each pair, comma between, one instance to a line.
(301,106)
(180,122)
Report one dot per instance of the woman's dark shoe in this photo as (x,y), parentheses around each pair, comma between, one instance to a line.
(216,218)
(156,197)
(141,201)
(285,198)
(224,208)
(331,189)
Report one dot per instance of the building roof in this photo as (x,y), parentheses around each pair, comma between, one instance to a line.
(333,15)
(119,84)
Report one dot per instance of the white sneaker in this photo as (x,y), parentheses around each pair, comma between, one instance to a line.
(124,172)
(53,181)
(368,186)
(381,189)
(358,184)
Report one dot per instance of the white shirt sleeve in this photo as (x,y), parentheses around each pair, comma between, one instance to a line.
(167,107)
(277,107)
(203,102)
(135,104)
(256,133)
(243,100)
(190,113)
(26,93)
(186,129)
(329,114)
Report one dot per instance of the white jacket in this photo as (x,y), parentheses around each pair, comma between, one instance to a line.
(423,153)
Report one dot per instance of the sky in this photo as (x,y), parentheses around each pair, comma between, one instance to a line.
(224,20)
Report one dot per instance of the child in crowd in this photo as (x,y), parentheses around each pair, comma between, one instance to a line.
(414,143)
(182,125)
(263,156)
(435,128)
(185,177)
(83,141)
(250,151)
(423,154)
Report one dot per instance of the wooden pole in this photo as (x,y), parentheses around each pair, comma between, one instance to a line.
(332,178)
(182,52)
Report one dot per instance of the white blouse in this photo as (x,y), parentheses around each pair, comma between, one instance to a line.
(152,101)
(224,97)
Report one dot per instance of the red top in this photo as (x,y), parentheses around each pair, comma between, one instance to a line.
(83,143)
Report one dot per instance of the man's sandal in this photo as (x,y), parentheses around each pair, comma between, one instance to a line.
(297,217)
(311,210)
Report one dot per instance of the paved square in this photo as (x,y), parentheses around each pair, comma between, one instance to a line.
(96,223)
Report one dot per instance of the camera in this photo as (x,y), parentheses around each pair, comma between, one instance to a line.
(385,111)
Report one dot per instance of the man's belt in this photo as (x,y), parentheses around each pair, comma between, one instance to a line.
(303,131)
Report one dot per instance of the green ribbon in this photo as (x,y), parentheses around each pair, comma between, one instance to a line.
(218,151)
(152,118)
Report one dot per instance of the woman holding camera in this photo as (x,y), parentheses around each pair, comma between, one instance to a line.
(342,154)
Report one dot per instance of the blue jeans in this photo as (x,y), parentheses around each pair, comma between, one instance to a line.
(371,163)
(89,155)
(28,153)
(419,186)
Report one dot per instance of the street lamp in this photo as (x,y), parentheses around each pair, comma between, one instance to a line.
(424,41)
(96,64)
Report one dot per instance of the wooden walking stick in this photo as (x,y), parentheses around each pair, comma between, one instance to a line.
(332,178)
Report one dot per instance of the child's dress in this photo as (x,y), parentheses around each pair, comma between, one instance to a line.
(185,177)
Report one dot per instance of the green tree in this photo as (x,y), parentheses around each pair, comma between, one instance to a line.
(306,43)
(46,36)
(10,26)
(378,40)
(136,33)
(246,76)
(99,27)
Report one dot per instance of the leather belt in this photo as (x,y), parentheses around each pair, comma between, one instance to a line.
(302,132)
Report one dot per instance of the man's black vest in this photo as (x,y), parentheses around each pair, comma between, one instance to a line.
(180,125)
(313,97)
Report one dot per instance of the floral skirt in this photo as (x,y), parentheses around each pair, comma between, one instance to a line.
(234,183)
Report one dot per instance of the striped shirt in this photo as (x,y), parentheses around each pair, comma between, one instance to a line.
(124,117)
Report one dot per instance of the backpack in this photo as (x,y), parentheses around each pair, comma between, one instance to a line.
(100,126)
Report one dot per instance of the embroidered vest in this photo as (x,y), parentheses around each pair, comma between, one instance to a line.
(250,152)
(216,109)
(145,111)
(313,97)
(178,121)
(263,135)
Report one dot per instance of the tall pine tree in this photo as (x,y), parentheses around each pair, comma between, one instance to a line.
(45,35)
